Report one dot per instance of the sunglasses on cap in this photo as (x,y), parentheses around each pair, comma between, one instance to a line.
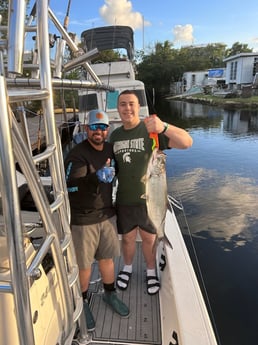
(100,126)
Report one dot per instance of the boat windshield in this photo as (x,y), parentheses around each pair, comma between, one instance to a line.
(89,101)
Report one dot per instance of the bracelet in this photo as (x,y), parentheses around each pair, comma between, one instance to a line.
(165,127)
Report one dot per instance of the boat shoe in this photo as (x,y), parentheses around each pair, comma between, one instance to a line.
(89,317)
(116,304)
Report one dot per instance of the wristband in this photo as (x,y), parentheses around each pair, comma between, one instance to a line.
(165,127)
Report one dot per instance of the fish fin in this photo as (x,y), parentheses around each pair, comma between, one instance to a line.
(165,238)
(144,196)
(144,179)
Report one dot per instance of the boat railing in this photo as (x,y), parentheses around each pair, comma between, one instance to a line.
(15,151)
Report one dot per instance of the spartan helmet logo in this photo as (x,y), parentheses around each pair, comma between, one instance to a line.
(127,157)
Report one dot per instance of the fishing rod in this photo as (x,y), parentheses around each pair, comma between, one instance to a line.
(151,102)
(66,20)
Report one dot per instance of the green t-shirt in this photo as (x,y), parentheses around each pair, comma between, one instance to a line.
(132,149)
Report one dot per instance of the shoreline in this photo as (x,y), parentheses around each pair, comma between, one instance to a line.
(227,103)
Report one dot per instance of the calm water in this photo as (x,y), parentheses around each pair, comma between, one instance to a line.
(217,182)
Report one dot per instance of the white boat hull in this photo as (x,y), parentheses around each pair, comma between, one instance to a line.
(184,317)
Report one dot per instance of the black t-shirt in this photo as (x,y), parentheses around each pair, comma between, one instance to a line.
(90,200)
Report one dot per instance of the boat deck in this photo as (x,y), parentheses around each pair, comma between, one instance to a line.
(143,324)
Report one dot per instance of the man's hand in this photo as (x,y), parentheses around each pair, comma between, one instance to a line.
(106,174)
(154,124)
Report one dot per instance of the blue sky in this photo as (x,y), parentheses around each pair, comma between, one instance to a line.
(180,22)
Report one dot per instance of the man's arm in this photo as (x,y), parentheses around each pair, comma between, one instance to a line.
(178,137)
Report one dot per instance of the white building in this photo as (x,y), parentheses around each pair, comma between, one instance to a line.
(193,79)
(198,79)
(241,70)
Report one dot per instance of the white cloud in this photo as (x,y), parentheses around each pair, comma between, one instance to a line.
(120,12)
(183,33)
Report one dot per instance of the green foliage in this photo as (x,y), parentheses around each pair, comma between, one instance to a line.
(238,48)
(202,58)
(155,69)
(67,98)
(4,11)
(107,56)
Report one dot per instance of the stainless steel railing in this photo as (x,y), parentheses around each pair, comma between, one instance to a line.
(14,149)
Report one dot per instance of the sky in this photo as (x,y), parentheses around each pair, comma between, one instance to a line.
(182,23)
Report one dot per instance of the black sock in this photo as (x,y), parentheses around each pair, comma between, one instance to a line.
(109,287)
(85,294)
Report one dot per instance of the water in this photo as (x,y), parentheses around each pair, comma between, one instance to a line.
(217,182)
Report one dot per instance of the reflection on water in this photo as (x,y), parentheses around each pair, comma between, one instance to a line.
(200,115)
(217,182)
(240,121)
(223,206)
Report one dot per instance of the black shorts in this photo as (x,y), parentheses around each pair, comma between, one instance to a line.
(130,217)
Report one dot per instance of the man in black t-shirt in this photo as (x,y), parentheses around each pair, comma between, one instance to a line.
(90,170)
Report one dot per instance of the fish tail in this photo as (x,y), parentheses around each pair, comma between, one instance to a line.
(155,245)
(167,241)
(158,240)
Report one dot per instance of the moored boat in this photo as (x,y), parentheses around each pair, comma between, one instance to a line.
(40,298)
(118,73)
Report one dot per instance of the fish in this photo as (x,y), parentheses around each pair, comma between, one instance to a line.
(156,196)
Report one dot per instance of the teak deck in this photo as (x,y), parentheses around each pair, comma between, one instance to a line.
(143,324)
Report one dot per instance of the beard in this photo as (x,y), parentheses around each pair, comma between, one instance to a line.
(96,139)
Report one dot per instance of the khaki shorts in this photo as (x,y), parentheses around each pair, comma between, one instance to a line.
(95,241)
(130,217)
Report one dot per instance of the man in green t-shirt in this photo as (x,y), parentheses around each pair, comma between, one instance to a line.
(132,149)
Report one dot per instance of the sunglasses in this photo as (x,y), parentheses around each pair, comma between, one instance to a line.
(100,126)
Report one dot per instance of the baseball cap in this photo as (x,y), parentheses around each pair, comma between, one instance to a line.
(97,116)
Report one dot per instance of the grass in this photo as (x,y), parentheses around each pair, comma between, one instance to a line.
(234,102)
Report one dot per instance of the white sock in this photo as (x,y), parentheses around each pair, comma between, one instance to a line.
(152,273)
(126,268)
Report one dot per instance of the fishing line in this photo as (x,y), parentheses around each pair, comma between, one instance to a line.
(179,205)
